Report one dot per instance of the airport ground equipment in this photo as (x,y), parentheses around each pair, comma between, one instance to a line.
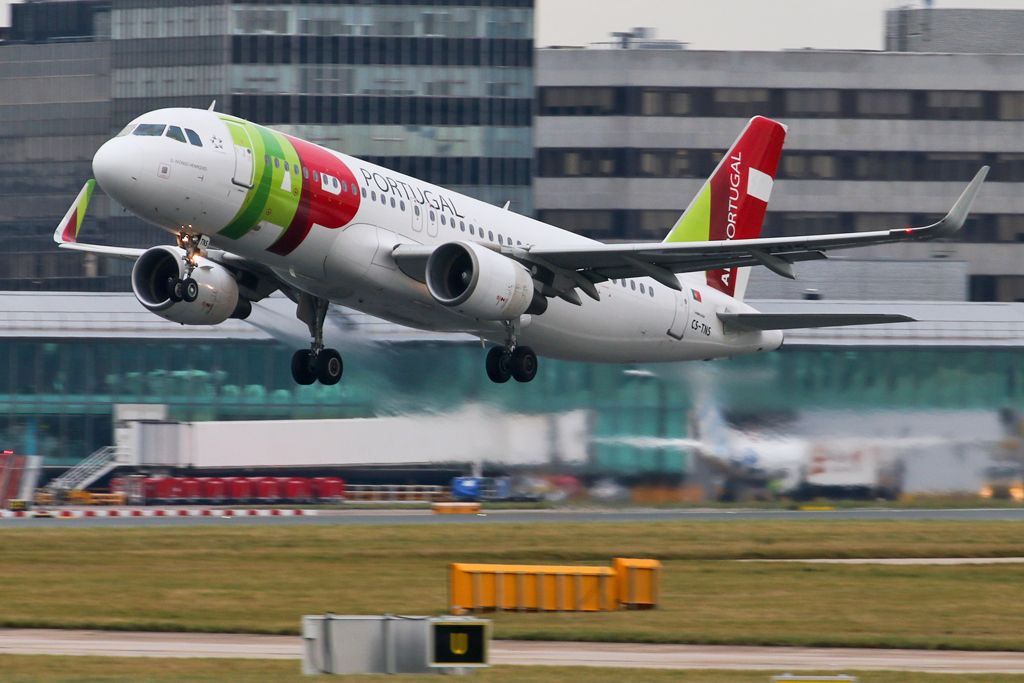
(395,493)
(630,583)
(636,582)
(455,508)
(390,644)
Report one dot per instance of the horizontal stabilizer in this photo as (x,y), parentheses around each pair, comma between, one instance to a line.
(790,321)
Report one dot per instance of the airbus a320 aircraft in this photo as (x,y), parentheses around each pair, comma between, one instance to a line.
(255,211)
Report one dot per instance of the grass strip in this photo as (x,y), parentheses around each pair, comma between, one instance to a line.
(47,669)
(262,579)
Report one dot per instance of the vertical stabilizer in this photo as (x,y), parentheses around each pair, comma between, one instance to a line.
(732,203)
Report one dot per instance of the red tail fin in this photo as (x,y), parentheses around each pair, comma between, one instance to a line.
(732,203)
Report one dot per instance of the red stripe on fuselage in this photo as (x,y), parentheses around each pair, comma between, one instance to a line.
(316,205)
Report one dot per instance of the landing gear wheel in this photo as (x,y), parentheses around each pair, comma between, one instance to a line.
(499,365)
(302,367)
(524,364)
(189,290)
(175,290)
(329,367)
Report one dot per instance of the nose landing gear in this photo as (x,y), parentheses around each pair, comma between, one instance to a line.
(318,363)
(187,289)
(511,361)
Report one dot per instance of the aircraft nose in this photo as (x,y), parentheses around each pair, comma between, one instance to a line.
(113,169)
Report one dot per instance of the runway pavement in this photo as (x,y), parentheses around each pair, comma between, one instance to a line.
(561,515)
(134,644)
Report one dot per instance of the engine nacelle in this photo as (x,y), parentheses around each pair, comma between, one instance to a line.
(481,283)
(218,297)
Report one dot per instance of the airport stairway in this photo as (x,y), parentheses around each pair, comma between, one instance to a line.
(99,463)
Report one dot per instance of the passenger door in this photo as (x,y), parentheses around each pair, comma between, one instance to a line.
(243,156)
(682,316)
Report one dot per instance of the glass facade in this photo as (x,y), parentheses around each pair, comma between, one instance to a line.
(58,395)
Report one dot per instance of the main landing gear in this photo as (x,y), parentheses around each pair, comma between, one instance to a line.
(511,360)
(318,364)
(187,289)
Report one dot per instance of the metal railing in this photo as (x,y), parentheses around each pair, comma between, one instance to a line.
(89,470)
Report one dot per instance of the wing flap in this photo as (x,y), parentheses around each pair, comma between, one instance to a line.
(790,321)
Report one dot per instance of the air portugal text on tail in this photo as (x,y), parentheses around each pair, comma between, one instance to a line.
(732,203)
(254,211)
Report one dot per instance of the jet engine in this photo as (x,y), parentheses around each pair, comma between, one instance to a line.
(481,283)
(158,268)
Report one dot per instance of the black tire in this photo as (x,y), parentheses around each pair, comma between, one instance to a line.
(302,367)
(499,365)
(174,289)
(524,364)
(190,290)
(329,367)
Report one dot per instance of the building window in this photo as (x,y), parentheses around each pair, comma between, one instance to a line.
(573,101)
(1011,106)
(740,101)
(954,104)
(811,103)
(884,103)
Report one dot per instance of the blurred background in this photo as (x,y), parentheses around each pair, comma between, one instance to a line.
(608,136)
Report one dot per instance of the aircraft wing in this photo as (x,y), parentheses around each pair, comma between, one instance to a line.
(790,321)
(662,260)
(580,267)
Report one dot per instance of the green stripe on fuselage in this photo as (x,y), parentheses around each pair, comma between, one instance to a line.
(266,201)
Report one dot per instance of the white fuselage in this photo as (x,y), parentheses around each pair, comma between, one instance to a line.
(207,189)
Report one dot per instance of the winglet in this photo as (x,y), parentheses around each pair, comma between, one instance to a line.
(67,229)
(954,220)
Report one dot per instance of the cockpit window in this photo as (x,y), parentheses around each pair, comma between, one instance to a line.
(150,129)
(126,130)
(193,137)
(174,133)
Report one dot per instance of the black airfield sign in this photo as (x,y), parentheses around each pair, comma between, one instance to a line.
(459,643)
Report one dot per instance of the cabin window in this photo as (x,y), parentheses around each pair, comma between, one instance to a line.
(277,163)
(402,205)
(432,217)
(416,210)
(356,190)
(344,186)
(373,196)
(305,172)
(490,235)
(364,192)
(472,230)
(193,137)
(392,202)
(462,226)
(316,177)
(650,290)
(154,130)
(444,221)
(632,285)
(643,290)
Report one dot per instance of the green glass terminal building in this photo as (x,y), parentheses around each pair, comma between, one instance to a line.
(70,358)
